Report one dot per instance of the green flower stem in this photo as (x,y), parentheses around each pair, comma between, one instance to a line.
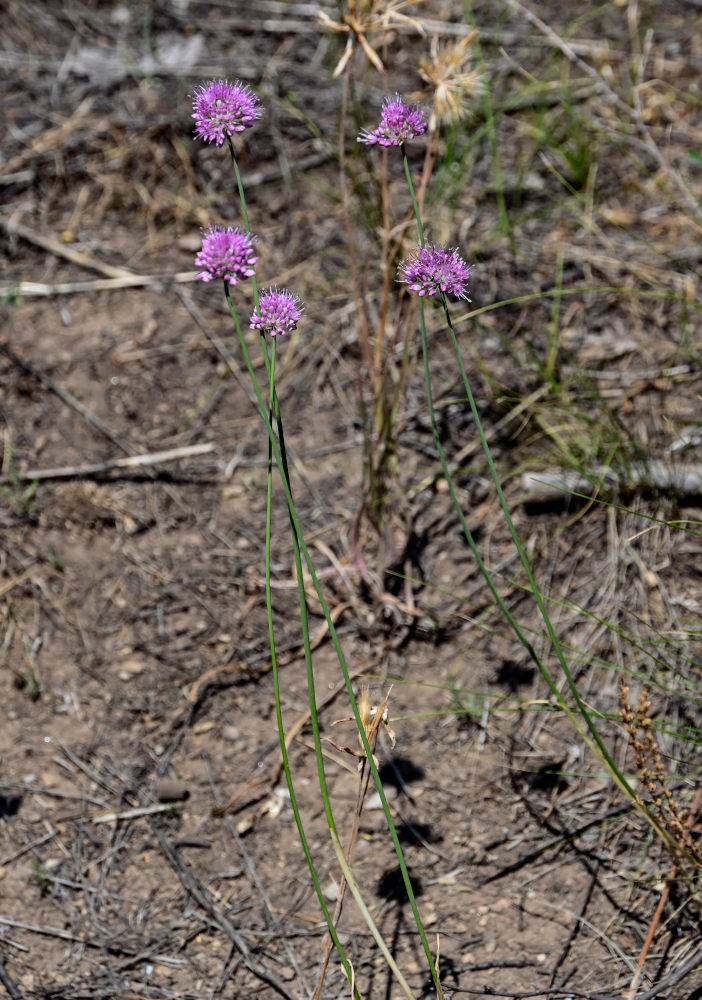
(244,214)
(413,196)
(591,737)
(298,542)
(274,409)
(444,464)
(499,600)
(301,547)
(304,623)
(356,892)
(593,740)
(334,637)
(535,589)
(279,712)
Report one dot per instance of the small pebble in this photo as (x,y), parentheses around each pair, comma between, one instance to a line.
(373,801)
(172,791)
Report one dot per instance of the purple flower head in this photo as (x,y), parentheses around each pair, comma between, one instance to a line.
(433,269)
(280,312)
(222,108)
(226,253)
(398,123)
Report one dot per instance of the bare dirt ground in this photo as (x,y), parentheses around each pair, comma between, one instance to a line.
(136,691)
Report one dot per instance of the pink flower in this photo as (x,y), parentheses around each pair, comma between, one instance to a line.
(280,311)
(226,253)
(222,108)
(398,123)
(433,269)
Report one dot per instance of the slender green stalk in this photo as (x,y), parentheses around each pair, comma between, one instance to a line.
(277,447)
(535,589)
(284,471)
(442,455)
(278,706)
(499,600)
(369,754)
(413,196)
(274,410)
(356,892)
(592,736)
(304,624)
(304,551)
(244,213)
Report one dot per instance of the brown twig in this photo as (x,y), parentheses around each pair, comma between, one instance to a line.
(64,250)
(41,289)
(682,479)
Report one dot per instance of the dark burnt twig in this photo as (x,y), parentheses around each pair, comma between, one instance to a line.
(195,888)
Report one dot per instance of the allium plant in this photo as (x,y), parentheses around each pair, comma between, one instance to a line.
(432,272)
(399,122)
(221,108)
(279,312)
(226,253)
(385,338)
(432,269)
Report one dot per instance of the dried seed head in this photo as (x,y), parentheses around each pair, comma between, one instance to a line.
(365,709)
(374,716)
(359,19)
(449,79)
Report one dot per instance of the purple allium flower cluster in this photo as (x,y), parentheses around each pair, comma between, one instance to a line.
(280,312)
(226,253)
(433,269)
(398,123)
(222,108)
